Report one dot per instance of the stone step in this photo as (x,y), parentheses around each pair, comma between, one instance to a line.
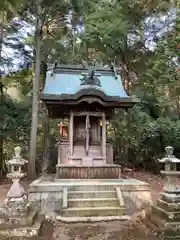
(91,194)
(169,207)
(170,198)
(92,212)
(162,213)
(94,202)
(124,219)
(93,188)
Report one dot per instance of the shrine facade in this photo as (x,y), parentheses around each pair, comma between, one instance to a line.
(86,99)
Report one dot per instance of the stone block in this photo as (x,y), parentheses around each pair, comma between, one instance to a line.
(172,231)
(168,206)
(17,221)
(170,198)
(165,215)
(17,206)
(24,231)
(33,197)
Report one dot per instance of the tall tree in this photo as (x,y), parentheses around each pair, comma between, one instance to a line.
(47,14)
(1,94)
(118,29)
(35,102)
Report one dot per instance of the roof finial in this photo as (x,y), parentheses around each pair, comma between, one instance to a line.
(91,78)
(54,68)
(114,68)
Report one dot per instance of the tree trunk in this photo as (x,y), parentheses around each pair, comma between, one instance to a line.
(1,130)
(1,98)
(46,153)
(126,78)
(35,101)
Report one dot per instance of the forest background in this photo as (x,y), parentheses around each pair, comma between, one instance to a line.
(142,37)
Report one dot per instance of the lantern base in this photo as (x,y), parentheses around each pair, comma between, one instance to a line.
(18,218)
(22,226)
(18,214)
(15,207)
(167,210)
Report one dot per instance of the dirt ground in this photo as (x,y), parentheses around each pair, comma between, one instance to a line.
(102,231)
(132,230)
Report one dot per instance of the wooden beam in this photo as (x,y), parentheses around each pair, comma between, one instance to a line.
(85,113)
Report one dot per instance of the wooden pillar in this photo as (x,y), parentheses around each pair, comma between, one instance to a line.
(71,134)
(87,127)
(98,130)
(103,135)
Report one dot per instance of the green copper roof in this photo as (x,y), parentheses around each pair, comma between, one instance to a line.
(64,82)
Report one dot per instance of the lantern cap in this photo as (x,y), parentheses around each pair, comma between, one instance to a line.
(17,159)
(169,160)
(169,150)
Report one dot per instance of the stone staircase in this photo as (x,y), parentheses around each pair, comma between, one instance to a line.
(102,201)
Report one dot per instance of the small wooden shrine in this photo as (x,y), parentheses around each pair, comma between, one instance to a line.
(87,185)
(84,99)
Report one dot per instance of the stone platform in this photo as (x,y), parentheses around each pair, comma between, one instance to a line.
(12,229)
(106,171)
(88,200)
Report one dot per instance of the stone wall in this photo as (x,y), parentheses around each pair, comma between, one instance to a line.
(63,153)
(48,203)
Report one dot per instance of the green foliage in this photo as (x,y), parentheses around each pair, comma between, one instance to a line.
(16,124)
(144,136)
(116,30)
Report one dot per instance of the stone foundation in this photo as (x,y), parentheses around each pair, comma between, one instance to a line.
(52,195)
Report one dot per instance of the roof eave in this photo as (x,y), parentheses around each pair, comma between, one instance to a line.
(71,100)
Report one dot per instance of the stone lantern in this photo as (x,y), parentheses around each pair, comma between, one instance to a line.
(18,217)
(16,202)
(170,170)
(167,208)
